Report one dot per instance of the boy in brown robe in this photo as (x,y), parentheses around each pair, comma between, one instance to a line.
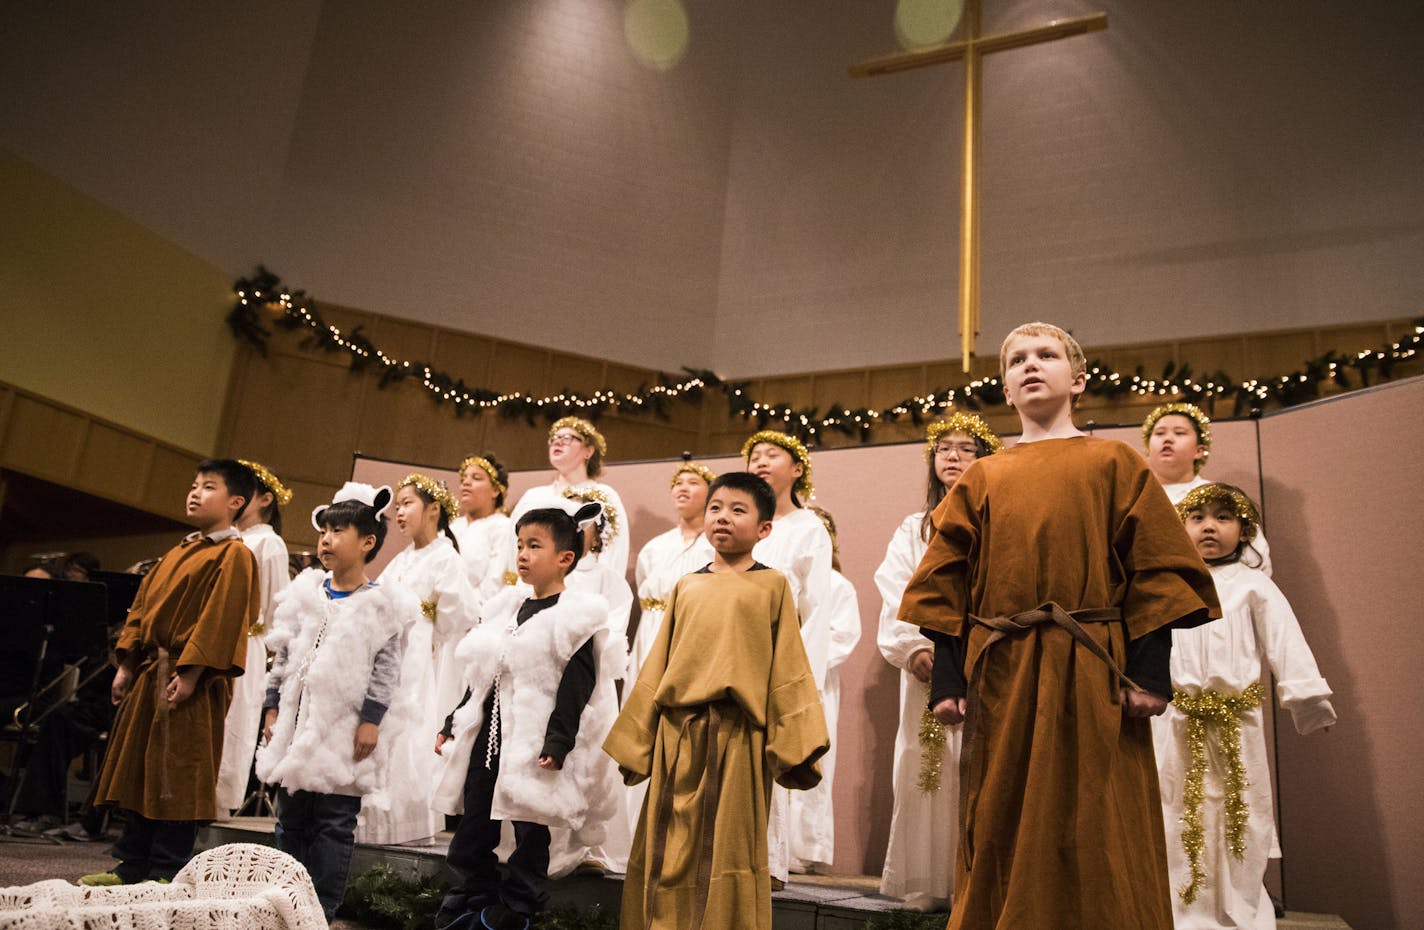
(724,705)
(1050,588)
(183,642)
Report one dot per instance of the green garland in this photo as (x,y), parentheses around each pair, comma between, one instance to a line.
(381,898)
(295,311)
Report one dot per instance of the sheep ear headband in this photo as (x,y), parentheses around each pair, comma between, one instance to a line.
(580,512)
(378,499)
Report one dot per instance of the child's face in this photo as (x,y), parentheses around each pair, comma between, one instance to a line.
(209,501)
(689,495)
(1037,372)
(568,450)
(540,561)
(775,466)
(1215,530)
(732,525)
(1173,449)
(342,549)
(414,514)
(476,492)
(953,454)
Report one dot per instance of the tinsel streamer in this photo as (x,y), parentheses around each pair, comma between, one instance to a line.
(1222,712)
(932,742)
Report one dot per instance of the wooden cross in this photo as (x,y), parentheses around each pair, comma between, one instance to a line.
(971,47)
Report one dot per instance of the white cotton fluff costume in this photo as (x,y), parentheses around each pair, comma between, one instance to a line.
(311,745)
(529,661)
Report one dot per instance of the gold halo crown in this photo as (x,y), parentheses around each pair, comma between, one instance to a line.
(486,466)
(1240,504)
(585,429)
(435,490)
(792,445)
(280,492)
(610,519)
(961,423)
(696,468)
(1191,412)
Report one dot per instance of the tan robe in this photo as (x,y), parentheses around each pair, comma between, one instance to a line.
(196,605)
(1061,822)
(725,704)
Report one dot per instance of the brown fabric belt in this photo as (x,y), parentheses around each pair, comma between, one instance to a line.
(1002,627)
(162,711)
(710,722)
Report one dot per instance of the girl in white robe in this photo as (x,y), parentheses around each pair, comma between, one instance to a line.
(924,823)
(1218,861)
(485,532)
(800,548)
(431,568)
(261,527)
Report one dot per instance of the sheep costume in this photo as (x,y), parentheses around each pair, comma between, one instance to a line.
(336,641)
(526,663)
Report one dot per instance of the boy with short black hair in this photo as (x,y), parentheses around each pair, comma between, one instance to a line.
(181,646)
(525,748)
(1055,575)
(725,703)
(334,720)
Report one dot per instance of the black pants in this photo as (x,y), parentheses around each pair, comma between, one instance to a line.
(153,849)
(319,831)
(472,847)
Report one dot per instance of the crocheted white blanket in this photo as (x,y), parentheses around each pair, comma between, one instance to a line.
(241,886)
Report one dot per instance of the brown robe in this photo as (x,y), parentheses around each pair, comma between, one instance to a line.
(1061,823)
(196,606)
(724,705)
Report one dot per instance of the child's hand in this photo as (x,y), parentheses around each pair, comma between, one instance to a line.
(1142,703)
(365,743)
(269,720)
(949,711)
(548,764)
(181,685)
(120,688)
(440,739)
(921,664)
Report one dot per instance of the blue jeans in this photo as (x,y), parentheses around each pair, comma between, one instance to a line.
(319,831)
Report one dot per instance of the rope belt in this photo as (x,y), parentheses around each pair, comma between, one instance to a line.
(1222,713)
(162,711)
(709,722)
(1002,627)
(652,603)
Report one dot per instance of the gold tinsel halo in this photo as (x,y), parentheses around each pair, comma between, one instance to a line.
(960,422)
(1240,504)
(435,490)
(583,428)
(484,465)
(610,513)
(791,444)
(698,469)
(1193,413)
(280,491)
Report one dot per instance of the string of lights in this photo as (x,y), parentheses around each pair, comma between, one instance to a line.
(293,310)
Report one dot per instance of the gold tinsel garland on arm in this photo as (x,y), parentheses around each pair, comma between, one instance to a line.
(1222,712)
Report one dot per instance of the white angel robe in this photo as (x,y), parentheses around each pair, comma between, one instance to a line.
(566,853)
(1175,493)
(486,545)
(1257,629)
(615,550)
(449,606)
(244,714)
(800,548)
(924,827)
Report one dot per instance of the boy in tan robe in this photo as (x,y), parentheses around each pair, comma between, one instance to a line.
(1050,586)
(183,642)
(725,704)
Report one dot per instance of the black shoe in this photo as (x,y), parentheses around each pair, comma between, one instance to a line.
(500,917)
(458,912)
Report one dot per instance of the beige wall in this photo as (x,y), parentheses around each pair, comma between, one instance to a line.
(103,314)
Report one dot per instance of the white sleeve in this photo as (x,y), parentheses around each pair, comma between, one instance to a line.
(1299,685)
(475,556)
(615,556)
(501,560)
(272,576)
(898,640)
(643,571)
(813,566)
(844,609)
(457,603)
